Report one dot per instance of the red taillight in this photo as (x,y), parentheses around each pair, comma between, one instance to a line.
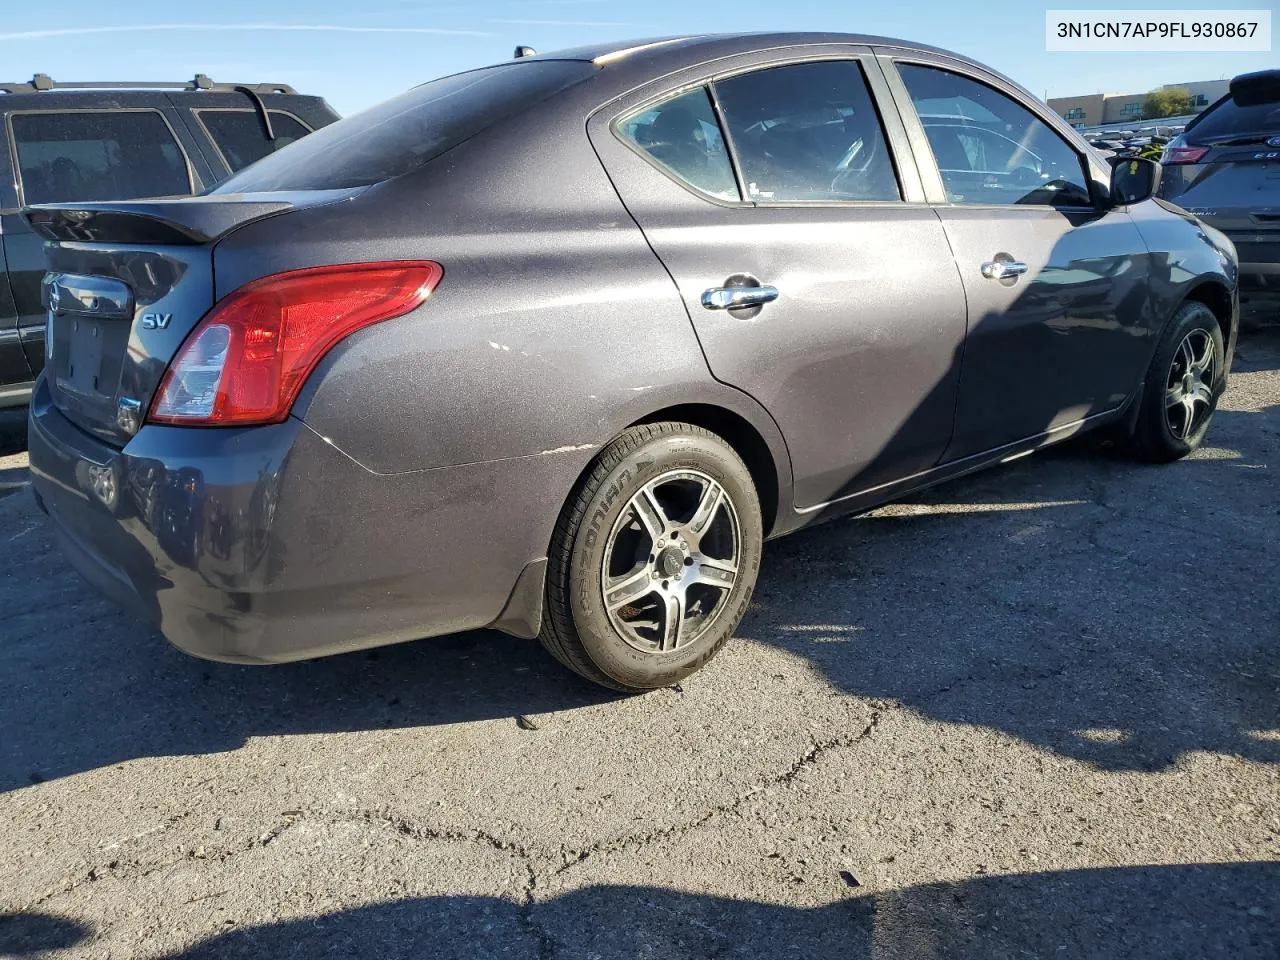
(1177,155)
(247,359)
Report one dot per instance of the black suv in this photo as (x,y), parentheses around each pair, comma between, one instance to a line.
(1225,168)
(116,141)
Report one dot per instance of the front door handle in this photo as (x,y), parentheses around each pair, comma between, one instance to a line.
(726,298)
(1003,269)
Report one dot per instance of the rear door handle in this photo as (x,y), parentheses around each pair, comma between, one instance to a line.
(726,298)
(1003,269)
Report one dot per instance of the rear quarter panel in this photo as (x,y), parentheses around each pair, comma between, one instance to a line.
(553,328)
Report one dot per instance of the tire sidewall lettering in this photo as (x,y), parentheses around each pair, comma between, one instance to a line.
(642,465)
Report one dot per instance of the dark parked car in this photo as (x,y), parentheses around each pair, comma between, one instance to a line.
(1225,168)
(555,345)
(117,141)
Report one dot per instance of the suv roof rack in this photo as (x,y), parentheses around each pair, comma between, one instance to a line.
(42,81)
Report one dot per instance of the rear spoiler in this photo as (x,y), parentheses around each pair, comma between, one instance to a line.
(1256,89)
(177,220)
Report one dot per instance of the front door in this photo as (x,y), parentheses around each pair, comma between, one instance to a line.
(1058,315)
(816,278)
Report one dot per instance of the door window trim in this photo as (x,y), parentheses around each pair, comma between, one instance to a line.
(17,163)
(927,163)
(198,112)
(897,139)
(615,127)
(729,146)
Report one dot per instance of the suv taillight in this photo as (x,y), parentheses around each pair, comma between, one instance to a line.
(1182,154)
(245,362)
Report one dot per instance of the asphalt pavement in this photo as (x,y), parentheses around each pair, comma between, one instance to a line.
(1031,713)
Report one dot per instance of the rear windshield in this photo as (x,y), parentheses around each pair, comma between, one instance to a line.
(1226,119)
(405,132)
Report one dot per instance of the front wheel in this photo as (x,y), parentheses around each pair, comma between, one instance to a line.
(654,559)
(1182,388)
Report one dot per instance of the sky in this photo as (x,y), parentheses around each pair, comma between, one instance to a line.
(358,52)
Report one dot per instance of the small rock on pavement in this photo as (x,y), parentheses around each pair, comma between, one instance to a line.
(850,878)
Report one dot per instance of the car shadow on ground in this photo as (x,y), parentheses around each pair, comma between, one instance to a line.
(1200,911)
(1107,611)
(13,431)
(128,694)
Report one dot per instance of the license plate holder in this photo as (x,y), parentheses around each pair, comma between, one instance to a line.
(81,369)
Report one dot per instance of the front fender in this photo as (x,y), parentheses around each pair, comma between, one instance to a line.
(1187,258)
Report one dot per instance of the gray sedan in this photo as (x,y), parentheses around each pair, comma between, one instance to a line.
(554,346)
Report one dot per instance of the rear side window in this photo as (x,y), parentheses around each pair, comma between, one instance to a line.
(405,132)
(682,135)
(241,136)
(84,156)
(808,131)
(990,149)
(1228,119)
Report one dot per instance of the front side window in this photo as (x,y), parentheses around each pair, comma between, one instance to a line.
(74,157)
(241,136)
(806,132)
(683,136)
(989,148)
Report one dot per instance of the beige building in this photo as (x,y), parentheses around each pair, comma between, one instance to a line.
(1084,111)
(1097,108)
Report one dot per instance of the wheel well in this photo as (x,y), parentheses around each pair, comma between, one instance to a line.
(746,442)
(1218,299)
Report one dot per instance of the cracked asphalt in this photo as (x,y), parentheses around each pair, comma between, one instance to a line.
(1032,713)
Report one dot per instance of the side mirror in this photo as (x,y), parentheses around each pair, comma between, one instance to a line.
(1133,179)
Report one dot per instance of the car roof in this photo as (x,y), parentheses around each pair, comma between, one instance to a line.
(632,62)
(41,87)
(676,52)
(123,97)
(698,47)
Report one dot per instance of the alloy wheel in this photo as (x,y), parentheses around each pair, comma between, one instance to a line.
(1189,387)
(671,561)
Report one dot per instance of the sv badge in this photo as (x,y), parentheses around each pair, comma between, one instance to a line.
(156,321)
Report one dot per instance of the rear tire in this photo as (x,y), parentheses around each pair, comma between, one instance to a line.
(1182,387)
(629,606)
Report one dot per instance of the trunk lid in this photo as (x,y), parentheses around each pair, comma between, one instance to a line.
(1239,197)
(1233,188)
(127,282)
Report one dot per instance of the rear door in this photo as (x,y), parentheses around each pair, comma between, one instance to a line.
(1059,328)
(779,173)
(81,149)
